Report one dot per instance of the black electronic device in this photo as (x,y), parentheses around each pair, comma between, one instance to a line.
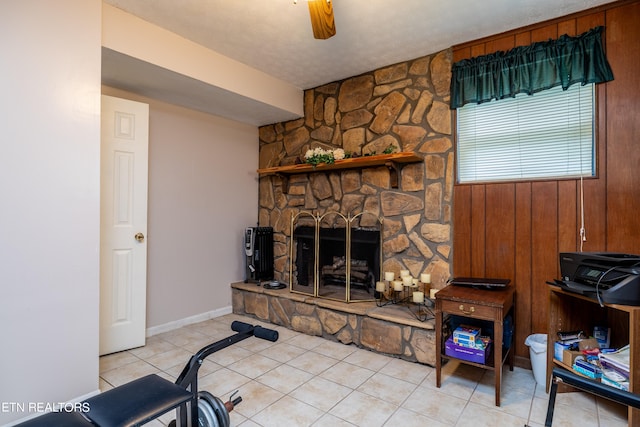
(249,241)
(608,277)
(480,282)
(258,250)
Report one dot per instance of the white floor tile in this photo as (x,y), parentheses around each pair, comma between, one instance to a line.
(303,380)
(364,410)
(288,412)
(388,389)
(321,393)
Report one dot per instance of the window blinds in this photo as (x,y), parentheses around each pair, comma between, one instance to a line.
(546,135)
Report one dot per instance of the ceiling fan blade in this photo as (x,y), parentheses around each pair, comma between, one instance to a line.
(321,12)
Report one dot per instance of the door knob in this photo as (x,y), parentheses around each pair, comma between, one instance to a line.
(139,237)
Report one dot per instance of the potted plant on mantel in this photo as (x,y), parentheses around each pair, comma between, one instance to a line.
(315,156)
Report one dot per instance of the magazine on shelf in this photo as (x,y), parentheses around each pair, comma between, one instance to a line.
(617,360)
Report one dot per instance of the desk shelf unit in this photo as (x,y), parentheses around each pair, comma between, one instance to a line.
(569,311)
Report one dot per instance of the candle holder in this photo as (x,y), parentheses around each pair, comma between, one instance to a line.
(423,311)
(412,295)
(390,295)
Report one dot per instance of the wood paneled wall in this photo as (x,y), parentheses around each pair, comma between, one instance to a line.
(516,230)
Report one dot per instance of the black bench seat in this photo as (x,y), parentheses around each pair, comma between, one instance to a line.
(136,402)
(58,419)
(129,405)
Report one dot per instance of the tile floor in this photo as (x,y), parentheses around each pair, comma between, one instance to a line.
(302,380)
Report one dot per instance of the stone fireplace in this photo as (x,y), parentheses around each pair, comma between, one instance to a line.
(406,107)
(403,106)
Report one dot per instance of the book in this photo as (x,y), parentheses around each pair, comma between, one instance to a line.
(618,360)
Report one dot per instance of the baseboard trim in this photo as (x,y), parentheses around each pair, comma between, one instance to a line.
(176,324)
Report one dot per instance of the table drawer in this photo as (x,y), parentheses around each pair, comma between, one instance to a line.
(476,311)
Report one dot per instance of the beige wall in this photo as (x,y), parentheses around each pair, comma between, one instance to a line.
(50,209)
(203,192)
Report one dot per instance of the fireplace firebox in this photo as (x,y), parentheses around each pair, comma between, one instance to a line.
(341,262)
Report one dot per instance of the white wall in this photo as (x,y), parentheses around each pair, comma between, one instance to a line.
(203,192)
(49,198)
(146,59)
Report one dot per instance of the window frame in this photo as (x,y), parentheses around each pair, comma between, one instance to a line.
(597,155)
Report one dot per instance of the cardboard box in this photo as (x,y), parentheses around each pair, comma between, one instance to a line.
(569,357)
(464,342)
(466,335)
(587,369)
(558,349)
(603,335)
(619,385)
(587,372)
(466,353)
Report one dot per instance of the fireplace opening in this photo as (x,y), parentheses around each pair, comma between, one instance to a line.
(363,271)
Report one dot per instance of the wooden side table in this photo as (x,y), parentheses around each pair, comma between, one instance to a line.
(483,304)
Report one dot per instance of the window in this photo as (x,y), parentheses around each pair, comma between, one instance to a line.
(549,134)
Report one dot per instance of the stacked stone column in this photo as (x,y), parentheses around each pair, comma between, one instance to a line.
(406,106)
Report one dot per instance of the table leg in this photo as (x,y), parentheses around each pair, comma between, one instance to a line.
(512,348)
(634,378)
(438,347)
(497,356)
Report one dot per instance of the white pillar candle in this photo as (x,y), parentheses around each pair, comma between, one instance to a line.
(425,278)
(397,285)
(380,286)
(407,280)
(418,296)
(414,281)
(404,273)
(432,293)
(389,276)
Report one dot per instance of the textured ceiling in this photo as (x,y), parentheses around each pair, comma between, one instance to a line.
(275,36)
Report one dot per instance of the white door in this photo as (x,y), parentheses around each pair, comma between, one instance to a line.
(123,224)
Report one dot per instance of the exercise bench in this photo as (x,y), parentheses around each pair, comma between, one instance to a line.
(147,398)
(560,375)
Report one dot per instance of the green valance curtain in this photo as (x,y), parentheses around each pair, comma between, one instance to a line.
(529,69)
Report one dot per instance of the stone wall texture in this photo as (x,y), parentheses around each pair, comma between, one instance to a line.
(404,105)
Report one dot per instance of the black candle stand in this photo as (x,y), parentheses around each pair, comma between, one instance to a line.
(422,311)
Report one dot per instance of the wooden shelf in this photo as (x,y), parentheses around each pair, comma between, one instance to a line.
(392,161)
(570,311)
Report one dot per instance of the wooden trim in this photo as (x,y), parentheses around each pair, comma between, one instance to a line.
(352,163)
(391,161)
(555,21)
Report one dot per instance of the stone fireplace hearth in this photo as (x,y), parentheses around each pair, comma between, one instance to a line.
(390,330)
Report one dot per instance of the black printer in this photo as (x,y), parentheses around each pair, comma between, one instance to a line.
(611,278)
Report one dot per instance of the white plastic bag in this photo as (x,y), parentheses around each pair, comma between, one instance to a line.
(537,342)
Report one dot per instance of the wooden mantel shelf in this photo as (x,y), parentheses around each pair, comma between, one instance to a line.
(353,163)
(392,161)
